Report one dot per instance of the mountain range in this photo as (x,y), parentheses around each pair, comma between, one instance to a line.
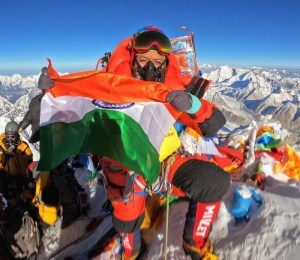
(256,94)
(243,94)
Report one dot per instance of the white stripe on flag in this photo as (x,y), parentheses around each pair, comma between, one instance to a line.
(153,117)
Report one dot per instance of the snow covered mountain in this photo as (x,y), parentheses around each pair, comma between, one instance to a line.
(15,94)
(12,88)
(243,94)
(256,94)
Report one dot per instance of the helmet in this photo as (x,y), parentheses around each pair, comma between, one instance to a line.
(11,133)
(11,127)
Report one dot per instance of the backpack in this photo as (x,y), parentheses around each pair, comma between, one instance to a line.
(20,231)
(58,194)
(73,197)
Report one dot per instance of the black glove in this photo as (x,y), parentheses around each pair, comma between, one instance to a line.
(180,99)
(212,124)
(198,86)
(44,81)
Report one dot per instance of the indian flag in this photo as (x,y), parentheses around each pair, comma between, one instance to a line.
(119,117)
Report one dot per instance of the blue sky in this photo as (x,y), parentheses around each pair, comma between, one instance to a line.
(76,33)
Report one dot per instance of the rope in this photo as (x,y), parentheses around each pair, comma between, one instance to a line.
(167,222)
(157,189)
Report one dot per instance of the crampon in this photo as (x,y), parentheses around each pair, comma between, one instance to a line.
(204,253)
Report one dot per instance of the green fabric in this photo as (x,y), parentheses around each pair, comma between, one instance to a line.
(104,132)
(268,146)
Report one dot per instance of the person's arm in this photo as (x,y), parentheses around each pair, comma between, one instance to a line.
(27,120)
(208,117)
(211,125)
(29,155)
(207,121)
(44,82)
(32,114)
(197,86)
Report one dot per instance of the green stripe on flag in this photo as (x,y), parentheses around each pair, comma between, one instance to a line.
(104,132)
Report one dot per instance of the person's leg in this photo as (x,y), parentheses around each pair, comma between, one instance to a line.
(131,243)
(128,209)
(199,219)
(204,184)
(127,219)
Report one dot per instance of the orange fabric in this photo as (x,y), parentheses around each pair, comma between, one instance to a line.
(117,177)
(118,86)
(279,153)
(222,161)
(107,160)
(174,79)
(109,87)
(178,160)
(231,161)
(186,79)
(233,168)
(134,207)
(292,167)
(120,63)
(204,113)
(264,129)
(154,213)
(227,164)
(233,154)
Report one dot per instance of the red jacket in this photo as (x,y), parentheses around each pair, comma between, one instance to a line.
(120,63)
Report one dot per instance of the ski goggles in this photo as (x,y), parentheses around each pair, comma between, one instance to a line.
(144,41)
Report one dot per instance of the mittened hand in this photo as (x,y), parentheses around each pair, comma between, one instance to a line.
(180,100)
(44,81)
